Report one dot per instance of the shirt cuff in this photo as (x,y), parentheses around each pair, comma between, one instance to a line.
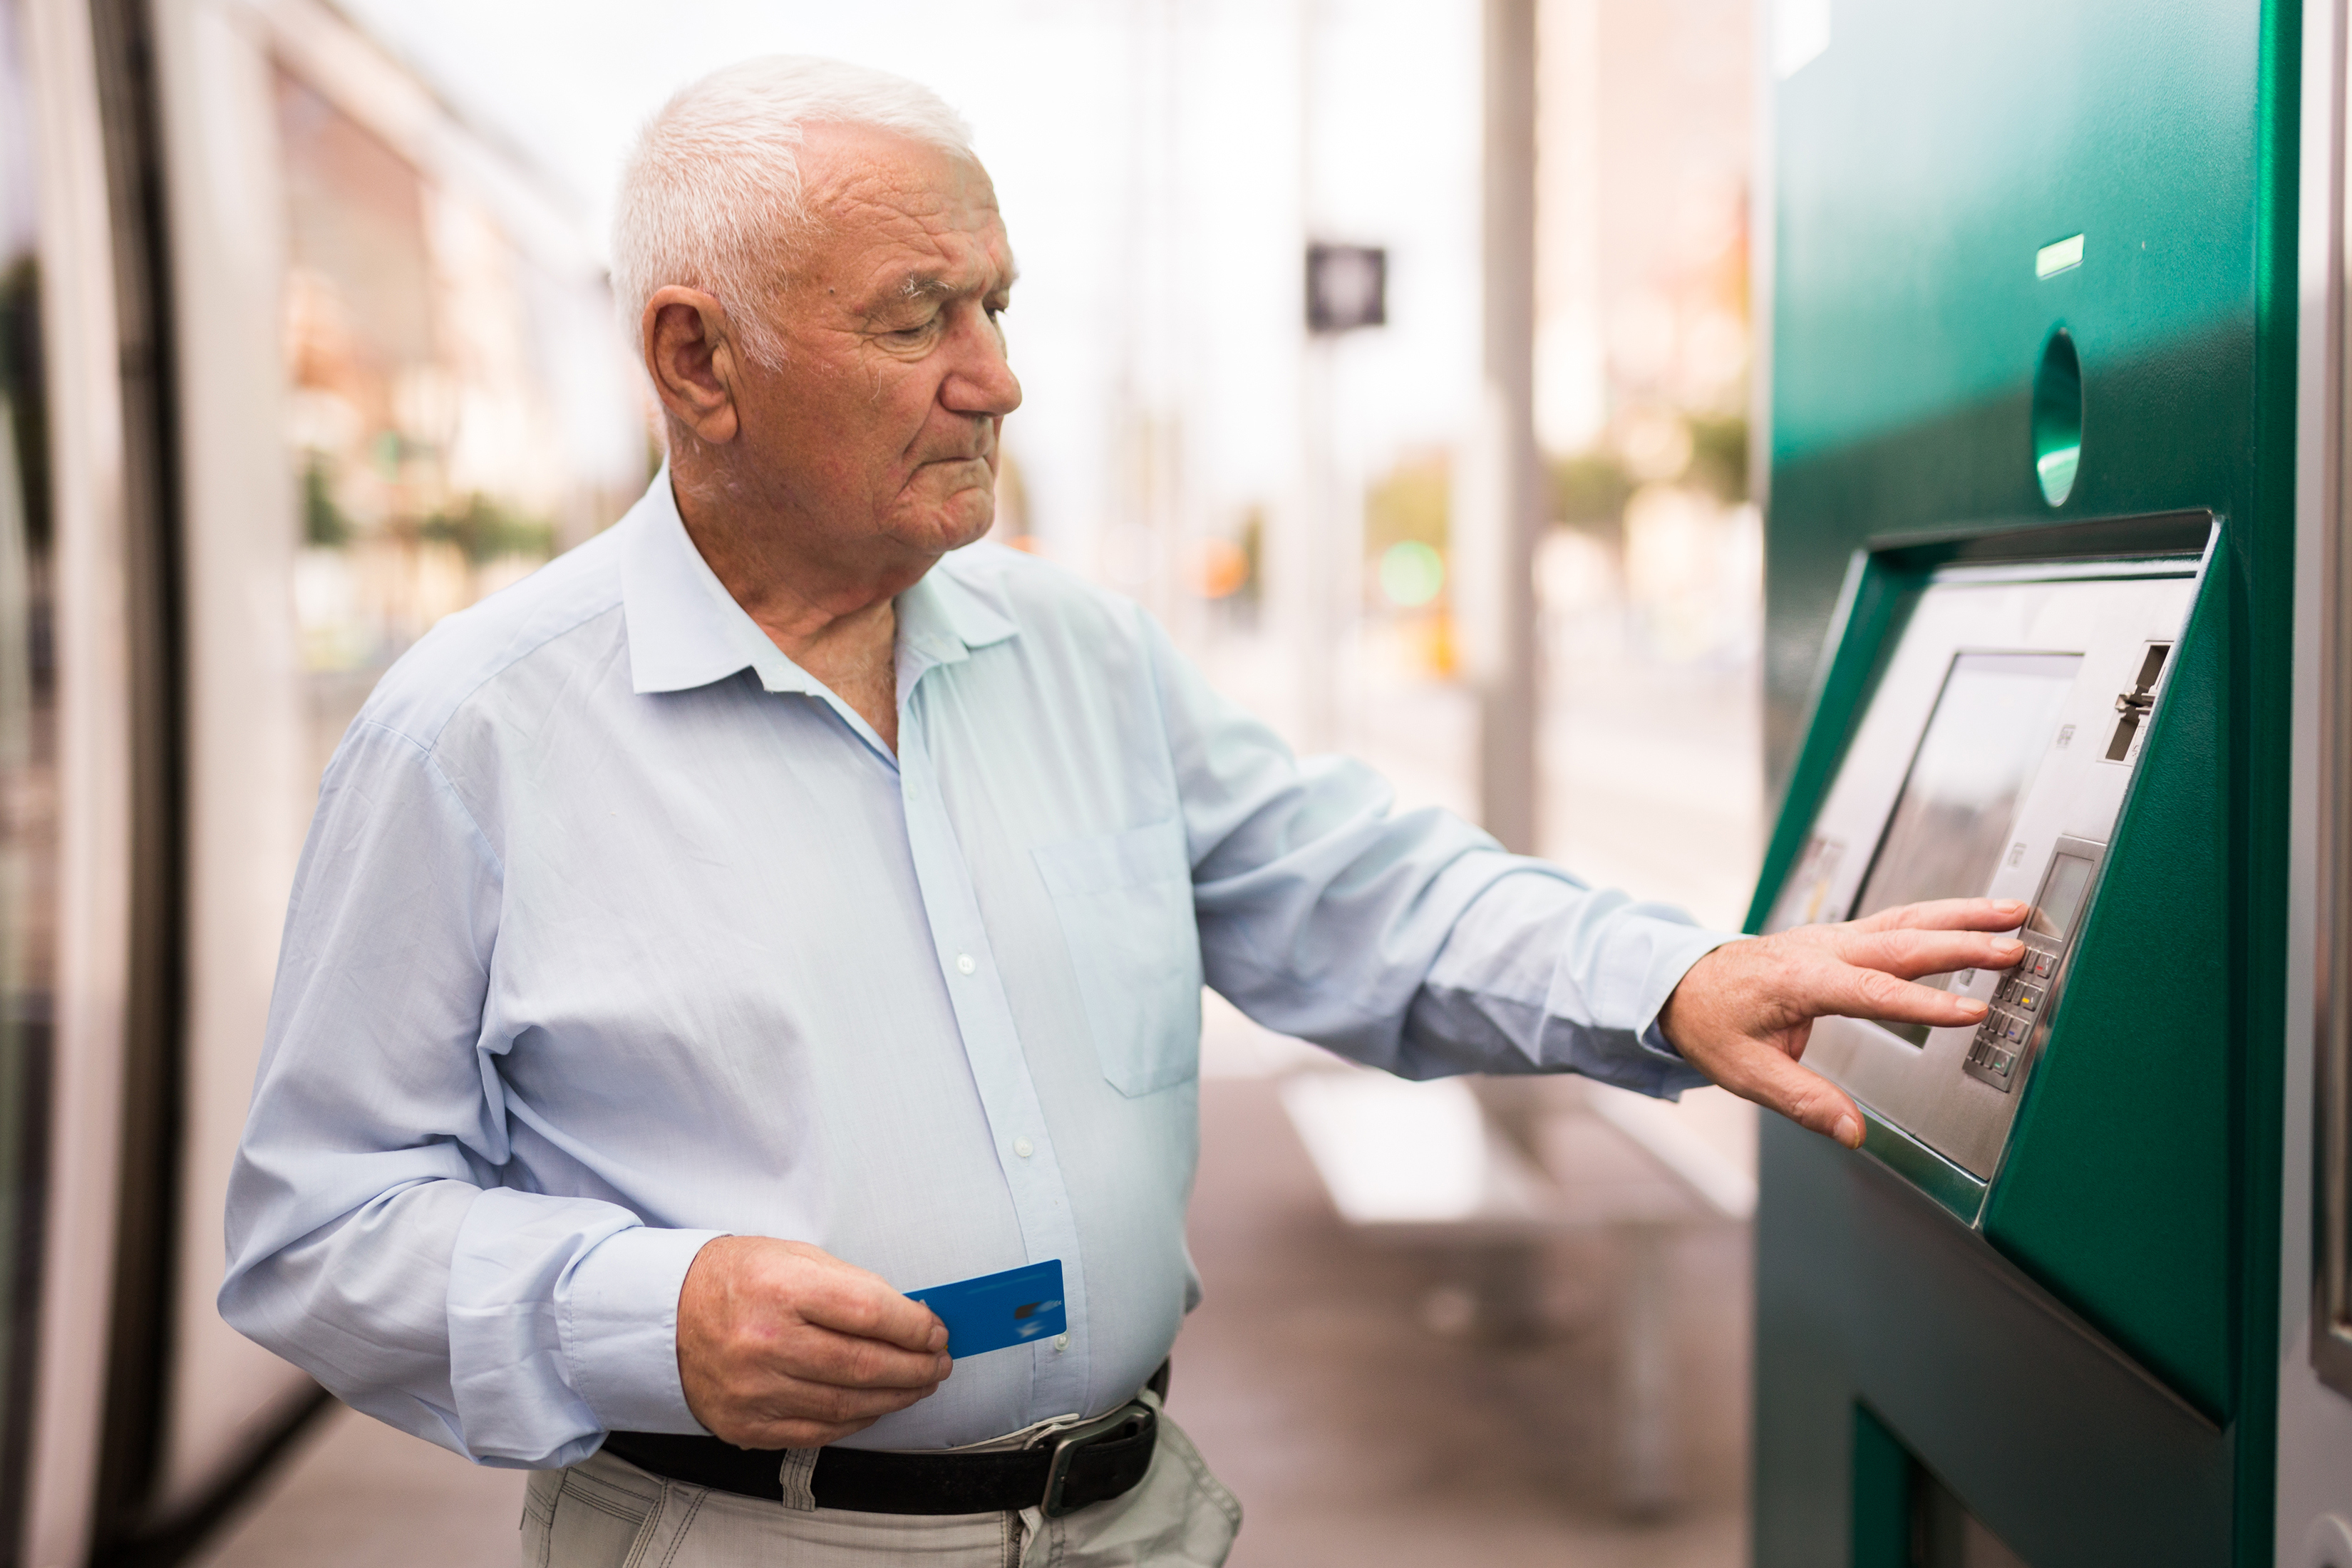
(1674,951)
(619,1326)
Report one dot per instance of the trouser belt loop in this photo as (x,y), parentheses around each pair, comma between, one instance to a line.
(794,1476)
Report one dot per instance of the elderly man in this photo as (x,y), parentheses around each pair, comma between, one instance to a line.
(774,906)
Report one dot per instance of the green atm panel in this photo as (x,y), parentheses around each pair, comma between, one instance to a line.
(2028,584)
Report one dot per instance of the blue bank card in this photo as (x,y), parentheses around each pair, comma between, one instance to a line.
(1014,1308)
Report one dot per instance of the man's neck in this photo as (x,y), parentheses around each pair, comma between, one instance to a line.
(856,656)
(840,627)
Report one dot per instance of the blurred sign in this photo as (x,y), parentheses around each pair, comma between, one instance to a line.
(1347,287)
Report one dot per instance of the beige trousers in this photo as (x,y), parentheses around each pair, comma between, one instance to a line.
(604,1512)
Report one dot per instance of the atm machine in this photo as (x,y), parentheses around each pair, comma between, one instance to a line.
(2038,626)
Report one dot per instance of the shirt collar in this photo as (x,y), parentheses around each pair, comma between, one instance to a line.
(686,629)
(942,618)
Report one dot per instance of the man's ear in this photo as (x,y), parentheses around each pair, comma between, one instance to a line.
(693,360)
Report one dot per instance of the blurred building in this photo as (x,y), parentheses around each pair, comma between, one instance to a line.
(1646,121)
(457,405)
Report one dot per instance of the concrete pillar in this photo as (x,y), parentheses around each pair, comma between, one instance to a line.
(1307,608)
(1498,507)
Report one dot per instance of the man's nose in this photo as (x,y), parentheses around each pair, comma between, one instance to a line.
(982,381)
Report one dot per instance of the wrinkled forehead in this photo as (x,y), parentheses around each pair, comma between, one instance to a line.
(879,203)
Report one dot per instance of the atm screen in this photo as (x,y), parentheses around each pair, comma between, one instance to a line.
(1990,727)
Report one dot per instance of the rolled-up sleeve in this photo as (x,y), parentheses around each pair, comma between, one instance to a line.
(1408,941)
(370,1240)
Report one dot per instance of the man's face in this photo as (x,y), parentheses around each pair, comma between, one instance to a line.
(880,428)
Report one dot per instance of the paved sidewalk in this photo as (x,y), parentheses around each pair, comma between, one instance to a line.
(358,1494)
(1355,1435)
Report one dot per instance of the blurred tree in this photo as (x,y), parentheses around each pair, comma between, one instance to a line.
(1719,455)
(1409,504)
(485,531)
(1253,555)
(324,526)
(1589,491)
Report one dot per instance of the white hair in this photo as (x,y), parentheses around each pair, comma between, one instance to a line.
(711,197)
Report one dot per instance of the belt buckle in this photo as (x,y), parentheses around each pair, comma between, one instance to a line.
(1068,1441)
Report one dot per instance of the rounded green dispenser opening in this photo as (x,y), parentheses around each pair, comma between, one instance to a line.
(2058,417)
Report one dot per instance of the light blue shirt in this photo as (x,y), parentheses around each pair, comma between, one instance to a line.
(617,931)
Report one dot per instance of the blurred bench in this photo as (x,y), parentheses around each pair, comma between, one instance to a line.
(1492,1168)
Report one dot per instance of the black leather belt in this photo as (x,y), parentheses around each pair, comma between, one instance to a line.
(1065,1470)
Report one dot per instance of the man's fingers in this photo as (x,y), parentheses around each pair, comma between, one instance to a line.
(1742,1012)
(824,1357)
(1911,954)
(781,1344)
(1819,986)
(852,1301)
(1852,992)
(870,1363)
(1948,914)
(1755,1071)
(819,1401)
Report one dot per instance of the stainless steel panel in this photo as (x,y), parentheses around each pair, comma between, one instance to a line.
(2329,1085)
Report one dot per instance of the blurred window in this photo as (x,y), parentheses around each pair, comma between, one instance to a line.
(28,777)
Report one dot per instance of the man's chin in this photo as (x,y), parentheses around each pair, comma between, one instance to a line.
(936,532)
(969,536)
(953,523)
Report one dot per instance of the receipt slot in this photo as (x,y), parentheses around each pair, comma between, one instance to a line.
(2030,305)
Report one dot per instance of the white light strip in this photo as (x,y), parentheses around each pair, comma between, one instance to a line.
(2059,257)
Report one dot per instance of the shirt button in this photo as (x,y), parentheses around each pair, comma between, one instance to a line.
(1062,1343)
(1022,1147)
(964,964)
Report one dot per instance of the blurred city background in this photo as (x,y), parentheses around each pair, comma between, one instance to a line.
(1524,1340)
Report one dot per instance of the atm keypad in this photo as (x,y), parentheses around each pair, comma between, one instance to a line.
(2018,1002)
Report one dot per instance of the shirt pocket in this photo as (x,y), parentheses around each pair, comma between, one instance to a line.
(1125,901)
